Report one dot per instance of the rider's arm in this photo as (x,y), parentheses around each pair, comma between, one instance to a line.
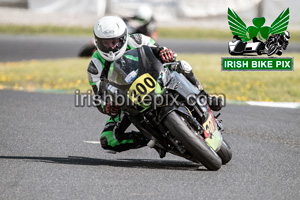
(164,54)
(137,40)
(94,71)
(186,69)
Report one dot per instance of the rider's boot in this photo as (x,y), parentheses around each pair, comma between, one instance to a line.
(214,103)
(161,152)
(139,139)
(122,142)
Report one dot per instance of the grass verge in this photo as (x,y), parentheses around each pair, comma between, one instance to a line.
(246,86)
(67,75)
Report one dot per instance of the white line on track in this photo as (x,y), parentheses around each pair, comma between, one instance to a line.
(92,142)
(274,104)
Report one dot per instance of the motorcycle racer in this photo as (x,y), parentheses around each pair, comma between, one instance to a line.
(281,41)
(111,41)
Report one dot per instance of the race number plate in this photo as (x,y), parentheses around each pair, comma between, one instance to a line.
(214,137)
(209,125)
(141,87)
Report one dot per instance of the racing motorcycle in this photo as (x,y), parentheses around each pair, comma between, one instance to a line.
(273,47)
(167,108)
(276,43)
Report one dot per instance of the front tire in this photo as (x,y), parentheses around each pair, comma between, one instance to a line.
(198,148)
(225,152)
(272,49)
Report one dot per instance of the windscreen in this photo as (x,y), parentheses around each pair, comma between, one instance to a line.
(124,70)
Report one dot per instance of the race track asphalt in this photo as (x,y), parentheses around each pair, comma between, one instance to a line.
(49,150)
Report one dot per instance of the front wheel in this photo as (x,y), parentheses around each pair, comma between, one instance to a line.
(192,143)
(272,49)
(225,152)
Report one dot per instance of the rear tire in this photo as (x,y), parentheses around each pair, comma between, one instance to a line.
(225,152)
(198,148)
(260,49)
(87,50)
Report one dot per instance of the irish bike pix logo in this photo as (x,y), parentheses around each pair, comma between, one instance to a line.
(249,43)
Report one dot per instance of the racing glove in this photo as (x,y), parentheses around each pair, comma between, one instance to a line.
(111,109)
(167,55)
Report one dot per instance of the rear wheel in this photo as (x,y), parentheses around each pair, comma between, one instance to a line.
(260,49)
(87,50)
(192,143)
(225,152)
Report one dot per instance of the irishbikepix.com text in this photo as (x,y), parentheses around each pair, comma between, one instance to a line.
(88,99)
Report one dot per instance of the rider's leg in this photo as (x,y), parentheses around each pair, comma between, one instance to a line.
(114,138)
(185,68)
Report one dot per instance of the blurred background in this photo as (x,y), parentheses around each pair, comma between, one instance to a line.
(41,42)
(206,13)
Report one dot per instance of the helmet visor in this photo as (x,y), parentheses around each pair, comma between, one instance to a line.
(110,44)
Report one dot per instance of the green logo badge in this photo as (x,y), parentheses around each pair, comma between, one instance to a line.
(239,28)
(257,40)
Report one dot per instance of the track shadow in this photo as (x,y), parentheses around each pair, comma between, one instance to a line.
(129,163)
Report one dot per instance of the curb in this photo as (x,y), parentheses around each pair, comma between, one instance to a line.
(274,104)
(293,105)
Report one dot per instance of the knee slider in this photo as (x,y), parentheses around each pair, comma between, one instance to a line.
(104,143)
(185,67)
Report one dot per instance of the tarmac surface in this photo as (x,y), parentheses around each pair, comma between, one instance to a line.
(49,149)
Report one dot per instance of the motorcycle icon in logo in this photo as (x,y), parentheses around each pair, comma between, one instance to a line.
(275,37)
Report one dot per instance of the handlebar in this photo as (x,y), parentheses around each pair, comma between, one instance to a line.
(170,63)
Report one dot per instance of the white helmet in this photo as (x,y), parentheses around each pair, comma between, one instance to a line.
(287,35)
(144,13)
(111,37)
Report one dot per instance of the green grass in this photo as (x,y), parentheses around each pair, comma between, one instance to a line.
(62,74)
(183,33)
(67,75)
(246,86)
